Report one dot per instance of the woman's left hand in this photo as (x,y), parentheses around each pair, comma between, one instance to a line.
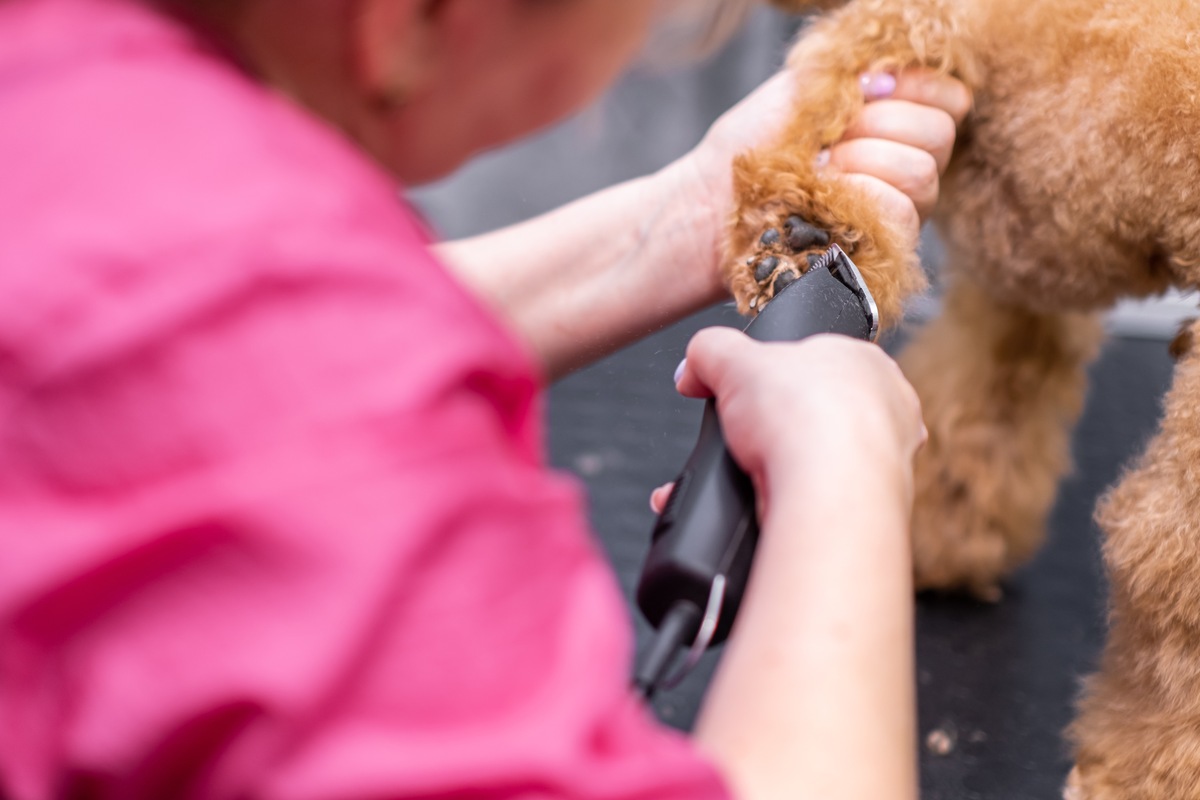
(901,142)
(897,148)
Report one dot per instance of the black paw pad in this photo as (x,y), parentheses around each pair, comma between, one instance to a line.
(803,236)
(785,280)
(770,238)
(766,268)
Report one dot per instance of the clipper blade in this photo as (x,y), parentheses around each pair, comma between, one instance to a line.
(841,267)
(827,259)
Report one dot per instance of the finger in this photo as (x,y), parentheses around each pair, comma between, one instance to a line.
(709,355)
(930,88)
(660,496)
(903,121)
(892,203)
(909,169)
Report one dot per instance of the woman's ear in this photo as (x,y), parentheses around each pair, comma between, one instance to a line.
(402,46)
(807,6)
(396,47)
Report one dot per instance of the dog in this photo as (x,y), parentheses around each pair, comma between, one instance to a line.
(1075,182)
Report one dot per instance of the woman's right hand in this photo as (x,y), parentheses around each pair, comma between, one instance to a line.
(805,411)
(818,677)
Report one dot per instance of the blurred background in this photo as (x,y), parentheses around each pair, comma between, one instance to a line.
(996,682)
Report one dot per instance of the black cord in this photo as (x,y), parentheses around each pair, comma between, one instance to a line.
(678,628)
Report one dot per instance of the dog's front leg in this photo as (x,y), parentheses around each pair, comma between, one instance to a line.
(789,207)
(1001,389)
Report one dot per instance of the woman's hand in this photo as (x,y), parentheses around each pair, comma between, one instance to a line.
(818,675)
(897,148)
(901,142)
(792,412)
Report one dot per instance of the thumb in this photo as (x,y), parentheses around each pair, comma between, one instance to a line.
(709,356)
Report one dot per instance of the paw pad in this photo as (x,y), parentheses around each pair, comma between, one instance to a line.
(765,268)
(784,280)
(783,253)
(803,236)
(770,238)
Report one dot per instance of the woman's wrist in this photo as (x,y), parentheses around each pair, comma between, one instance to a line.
(694,214)
(817,447)
(818,674)
(597,274)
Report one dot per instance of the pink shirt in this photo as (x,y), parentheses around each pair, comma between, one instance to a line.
(274,521)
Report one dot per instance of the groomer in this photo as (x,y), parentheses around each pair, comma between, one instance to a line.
(274,518)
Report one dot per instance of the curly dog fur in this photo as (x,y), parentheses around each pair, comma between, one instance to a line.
(1074,183)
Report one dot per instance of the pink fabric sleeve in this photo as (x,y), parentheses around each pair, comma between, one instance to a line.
(300,546)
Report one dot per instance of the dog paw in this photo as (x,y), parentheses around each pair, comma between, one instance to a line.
(959,543)
(1080,787)
(785,250)
(1073,790)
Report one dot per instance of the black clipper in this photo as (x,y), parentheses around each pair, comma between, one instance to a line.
(703,545)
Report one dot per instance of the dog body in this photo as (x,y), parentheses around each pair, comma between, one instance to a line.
(1075,182)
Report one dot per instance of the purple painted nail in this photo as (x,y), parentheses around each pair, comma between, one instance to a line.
(822,159)
(679,370)
(877,85)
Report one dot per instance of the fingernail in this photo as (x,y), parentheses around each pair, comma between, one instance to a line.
(656,508)
(877,85)
(679,370)
(822,160)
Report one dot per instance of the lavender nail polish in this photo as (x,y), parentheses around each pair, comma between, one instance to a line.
(679,370)
(877,85)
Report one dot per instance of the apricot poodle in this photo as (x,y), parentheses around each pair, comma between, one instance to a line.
(1075,182)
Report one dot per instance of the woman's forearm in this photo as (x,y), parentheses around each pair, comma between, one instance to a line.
(584,280)
(815,696)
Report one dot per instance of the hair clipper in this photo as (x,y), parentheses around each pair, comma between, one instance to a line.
(703,544)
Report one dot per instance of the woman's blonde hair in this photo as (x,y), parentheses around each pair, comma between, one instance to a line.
(692,29)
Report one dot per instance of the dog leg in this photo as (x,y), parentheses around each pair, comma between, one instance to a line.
(1001,389)
(788,207)
(1137,736)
